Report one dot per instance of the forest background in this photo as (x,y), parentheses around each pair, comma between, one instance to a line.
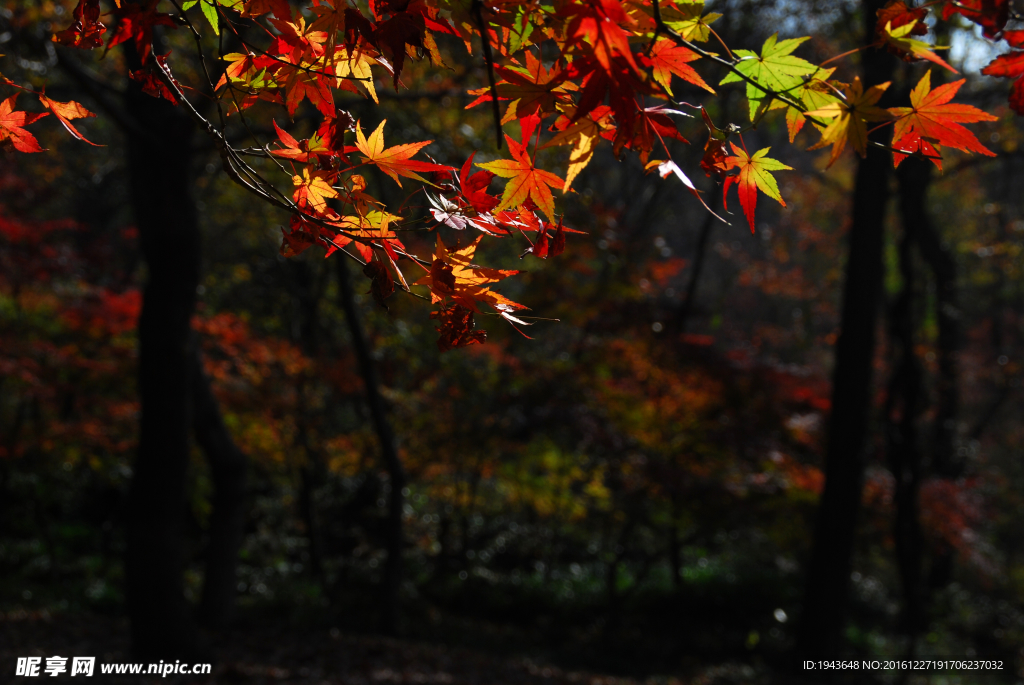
(632,490)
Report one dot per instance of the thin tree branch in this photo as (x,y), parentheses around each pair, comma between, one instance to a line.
(485,38)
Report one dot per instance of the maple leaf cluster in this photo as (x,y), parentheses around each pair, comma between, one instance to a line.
(609,71)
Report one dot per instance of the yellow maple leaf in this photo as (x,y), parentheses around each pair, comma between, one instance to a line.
(849,118)
(312,190)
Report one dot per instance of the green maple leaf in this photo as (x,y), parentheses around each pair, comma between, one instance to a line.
(209,8)
(775,69)
(210,12)
(685,18)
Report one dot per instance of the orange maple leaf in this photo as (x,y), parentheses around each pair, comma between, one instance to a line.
(850,117)
(65,111)
(453,275)
(394,161)
(526,181)
(933,120)
(374,226)
(238,64)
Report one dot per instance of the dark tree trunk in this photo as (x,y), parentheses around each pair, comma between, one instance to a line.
(682,315)
(391,582)
(828,571)
(904,399)
(675,551)
(947,313)
(307,510)
(227,520)
(160,162)
(616,554)
(307,289)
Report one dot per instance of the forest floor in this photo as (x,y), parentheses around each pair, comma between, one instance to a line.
(268,653)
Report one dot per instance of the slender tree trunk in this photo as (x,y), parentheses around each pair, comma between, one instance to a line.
(828,571)
(389,451)
(160,162)
(675,555)
(227,520)
(999,304)
(616,554)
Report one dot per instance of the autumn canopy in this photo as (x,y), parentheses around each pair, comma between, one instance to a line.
(573,73)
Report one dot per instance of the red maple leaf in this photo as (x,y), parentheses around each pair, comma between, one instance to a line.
(896,14)
(409,26)
(714,159)
(1011,65)
(990,15)
(300,236)
(12,125)
(474,187)
(87,31)
(297,41)
(620,85)
(754,175)
(152,82)
(382,284)
(136,22)
(457,327)
(650,126)
(280,8)
(529,90)
(667,58)
(936,120)
(327,142)
(597,32)
(548,244)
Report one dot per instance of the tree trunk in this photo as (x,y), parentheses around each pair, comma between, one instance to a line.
(307,290)
(160,162)
(675,552)
(944,461)
(227,520)
(682,314)
(392,463)
(828,571)
(904,399)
